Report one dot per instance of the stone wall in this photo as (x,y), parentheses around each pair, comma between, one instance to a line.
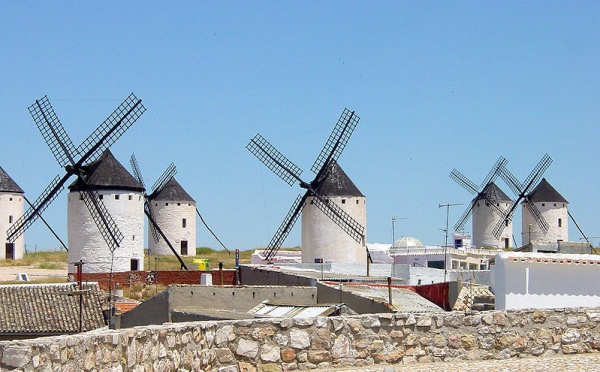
(290,344)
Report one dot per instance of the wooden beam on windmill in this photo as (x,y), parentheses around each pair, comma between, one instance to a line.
(74,161)
(290,173)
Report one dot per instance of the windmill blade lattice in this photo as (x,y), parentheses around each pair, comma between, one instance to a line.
(73,161)
(274,160)
(112,128)
(286,226)
(289,173)
(521,190)
(36,209)
(481,191)
(53,132)
(337,141)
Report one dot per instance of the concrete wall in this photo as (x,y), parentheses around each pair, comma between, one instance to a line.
(254,275)
(86,243)
(537,280)
(360,304)
(159,309)
(322,342)
(11,209)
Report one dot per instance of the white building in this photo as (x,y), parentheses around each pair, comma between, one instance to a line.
(485,218)
(12,203)
(123,197)
(545,280)
(175,213)
(322,237)
(553,209)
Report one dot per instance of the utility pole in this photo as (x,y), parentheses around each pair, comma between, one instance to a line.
(447,205)
(394,219)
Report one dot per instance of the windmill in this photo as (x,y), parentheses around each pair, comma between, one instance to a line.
(74,161)
(491,196)
(322,167)
(157,232)
(522,191)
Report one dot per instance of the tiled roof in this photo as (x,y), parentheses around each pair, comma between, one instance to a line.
(108,173)
(172,191)
(7,184)
(494,193)
(337,183)
(544,192)
(40,309)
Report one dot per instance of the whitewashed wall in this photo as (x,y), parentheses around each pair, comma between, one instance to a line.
(169,216)
(323,238)
(86,243)
(538,280)
(11,204)
(551,212)
(484,222)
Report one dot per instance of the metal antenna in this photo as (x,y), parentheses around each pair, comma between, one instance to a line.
(75,161)
(290,173)
(447,205)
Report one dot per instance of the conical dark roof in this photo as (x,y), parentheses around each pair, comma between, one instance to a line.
(337,183)
(108,173)
(172,191)
(544,192)
(7,184)
(494,193)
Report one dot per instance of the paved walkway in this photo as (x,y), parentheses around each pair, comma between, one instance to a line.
(562,363)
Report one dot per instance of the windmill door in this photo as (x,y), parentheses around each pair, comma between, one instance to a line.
(10,251)
(184,248)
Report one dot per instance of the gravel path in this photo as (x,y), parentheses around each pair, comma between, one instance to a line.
(9,273)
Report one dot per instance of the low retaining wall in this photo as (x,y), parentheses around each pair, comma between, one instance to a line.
(290,344)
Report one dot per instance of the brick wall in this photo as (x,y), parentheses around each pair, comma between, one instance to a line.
(125,279)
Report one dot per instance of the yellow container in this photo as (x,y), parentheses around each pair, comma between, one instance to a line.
(202,263)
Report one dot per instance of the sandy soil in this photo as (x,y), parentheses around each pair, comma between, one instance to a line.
(9,273)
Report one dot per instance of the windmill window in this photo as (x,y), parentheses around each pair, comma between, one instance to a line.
(139,197)
(166,203)
(560,222)
(183,223)
(506,222)
(543,204)
(555,204)
(100,197)
(10,219)
(80,197)
(356,201)
(130,197)
(117,197)
(343,201)
(178,204)
(9,199)
(156,204)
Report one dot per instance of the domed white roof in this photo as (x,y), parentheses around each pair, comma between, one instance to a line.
(408,242)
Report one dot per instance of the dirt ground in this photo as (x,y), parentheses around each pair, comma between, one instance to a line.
(9,273)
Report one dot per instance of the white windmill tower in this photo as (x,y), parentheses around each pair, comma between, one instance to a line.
(341,217)
(487,208)
(175,212)
(95,245)
(552,223)
(12,202)
(123,197)
(321,237)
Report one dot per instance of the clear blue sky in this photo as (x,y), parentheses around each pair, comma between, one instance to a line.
(438,85)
